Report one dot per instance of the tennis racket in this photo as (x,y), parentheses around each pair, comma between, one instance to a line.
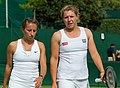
(109,78)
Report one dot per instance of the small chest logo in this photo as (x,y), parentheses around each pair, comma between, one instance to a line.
(35,51)
(84,40)
(65,43)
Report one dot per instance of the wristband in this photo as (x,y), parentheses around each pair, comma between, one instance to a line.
(42,76)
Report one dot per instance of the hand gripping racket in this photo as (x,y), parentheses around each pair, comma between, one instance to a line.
(109,78)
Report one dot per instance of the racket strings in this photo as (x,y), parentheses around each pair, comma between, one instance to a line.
(110,78)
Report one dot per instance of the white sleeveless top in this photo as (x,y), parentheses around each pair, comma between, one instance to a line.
(73,56)
(25,66)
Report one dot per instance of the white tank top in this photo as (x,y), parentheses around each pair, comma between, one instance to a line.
(25,64)
(73,56)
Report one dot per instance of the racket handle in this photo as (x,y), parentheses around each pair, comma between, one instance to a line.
(98,80)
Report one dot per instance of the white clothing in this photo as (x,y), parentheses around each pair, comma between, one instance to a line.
(73,57)
(66,83)
(25,66)
(110,59)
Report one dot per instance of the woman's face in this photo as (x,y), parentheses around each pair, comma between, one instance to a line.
(30,31)
(70,19)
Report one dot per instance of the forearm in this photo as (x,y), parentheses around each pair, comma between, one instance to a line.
(99,65)
(53,74)
(53,70)
(43,70)
(6,76)
(98,62)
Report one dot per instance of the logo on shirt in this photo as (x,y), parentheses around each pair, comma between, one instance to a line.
(65,43)
(35,51)
(84,40)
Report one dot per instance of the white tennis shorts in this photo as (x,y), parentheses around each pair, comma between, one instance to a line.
(68,83)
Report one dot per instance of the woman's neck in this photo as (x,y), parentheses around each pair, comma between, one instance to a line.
(27,41)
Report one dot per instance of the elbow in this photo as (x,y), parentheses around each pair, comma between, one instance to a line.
(8,67)
(53,60)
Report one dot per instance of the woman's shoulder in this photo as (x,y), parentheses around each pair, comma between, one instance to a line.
(13,43)
(88,32)
(12,46)
(40,44)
